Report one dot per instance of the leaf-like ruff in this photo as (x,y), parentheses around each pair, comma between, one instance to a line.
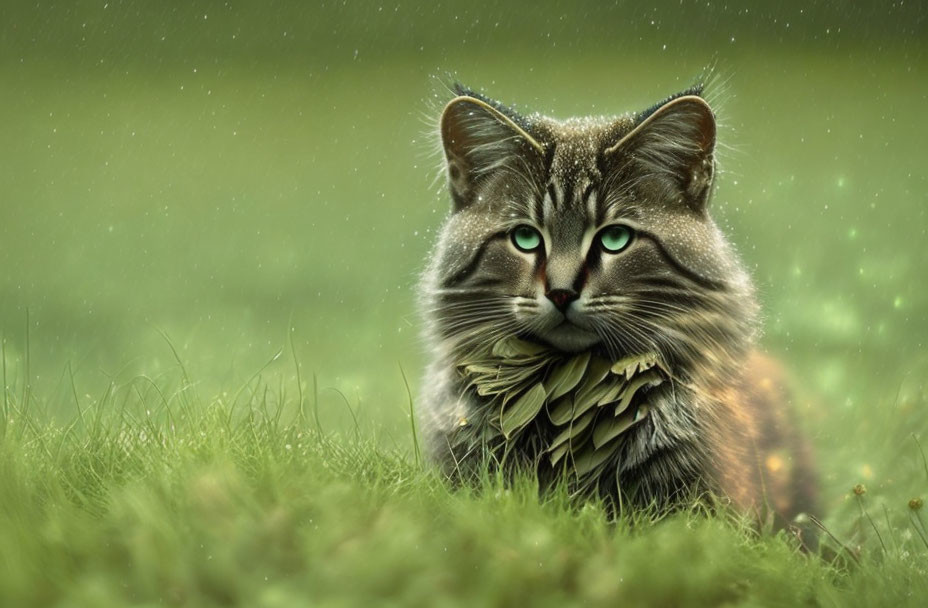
(522,377)
(565,377)
(522,412)
(573,430)
(590,458)
(649,378)
(608,429)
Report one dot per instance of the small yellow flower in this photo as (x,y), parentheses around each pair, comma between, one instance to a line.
(859,489)
(774,463)
(915,504)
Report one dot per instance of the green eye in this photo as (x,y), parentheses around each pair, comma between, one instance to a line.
(615,238)
(526,238)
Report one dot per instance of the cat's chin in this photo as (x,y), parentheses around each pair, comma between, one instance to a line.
(569,337)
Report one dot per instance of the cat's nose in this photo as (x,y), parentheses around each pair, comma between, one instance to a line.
(562,297)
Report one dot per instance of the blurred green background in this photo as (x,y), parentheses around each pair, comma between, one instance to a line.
(239,174)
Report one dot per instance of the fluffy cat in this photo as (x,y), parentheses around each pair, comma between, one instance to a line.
(588,320)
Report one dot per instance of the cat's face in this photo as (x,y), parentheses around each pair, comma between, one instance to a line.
(585,234)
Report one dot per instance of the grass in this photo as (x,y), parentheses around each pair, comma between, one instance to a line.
(154,494)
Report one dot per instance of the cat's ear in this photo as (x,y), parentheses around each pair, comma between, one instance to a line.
(478,141)
(675,145)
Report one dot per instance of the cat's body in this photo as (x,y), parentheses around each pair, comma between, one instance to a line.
(593,236)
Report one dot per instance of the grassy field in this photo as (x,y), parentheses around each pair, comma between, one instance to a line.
(212,222)
(153,495)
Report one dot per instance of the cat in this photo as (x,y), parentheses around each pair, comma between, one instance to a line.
(586,318)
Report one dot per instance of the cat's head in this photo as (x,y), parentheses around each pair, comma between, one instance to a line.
(589,233)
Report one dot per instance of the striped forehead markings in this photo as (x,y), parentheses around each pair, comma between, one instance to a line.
(552,199)
(591,201)
(558,193)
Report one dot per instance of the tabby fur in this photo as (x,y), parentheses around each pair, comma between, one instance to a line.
(721,424)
